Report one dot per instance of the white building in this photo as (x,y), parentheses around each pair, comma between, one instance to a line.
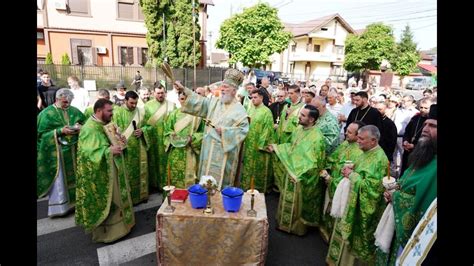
(316,51)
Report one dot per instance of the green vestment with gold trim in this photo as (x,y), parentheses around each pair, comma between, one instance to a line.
(418,188)
(300,203)
(288,124)
(353,234)
(257,161)
(183,156)
(156,114)
(335,162)
(135,154)
(51,142)
(104,206)
(219,156)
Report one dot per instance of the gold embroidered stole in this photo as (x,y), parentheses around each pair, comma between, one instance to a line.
(138,117)
(183,123)
(158,114)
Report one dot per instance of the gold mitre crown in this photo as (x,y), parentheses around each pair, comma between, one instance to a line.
(233,77)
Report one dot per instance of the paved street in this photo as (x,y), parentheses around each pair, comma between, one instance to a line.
(61,242)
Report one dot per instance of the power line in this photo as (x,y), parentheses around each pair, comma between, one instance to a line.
(352,19)
(339,9)
(395,14)
(426,26)
(374,21)
(373,7)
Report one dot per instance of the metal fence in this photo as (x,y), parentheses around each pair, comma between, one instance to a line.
(108,76)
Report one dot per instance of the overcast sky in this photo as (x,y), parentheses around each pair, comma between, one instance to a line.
(421,15)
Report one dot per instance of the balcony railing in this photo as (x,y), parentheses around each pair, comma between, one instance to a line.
(315,56)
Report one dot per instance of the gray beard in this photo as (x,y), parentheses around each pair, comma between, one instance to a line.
(423,153)
(226,99)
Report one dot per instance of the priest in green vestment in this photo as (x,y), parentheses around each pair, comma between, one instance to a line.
(302,190)
(104,206)
(417,189)
(288,122)
(157,111)
(289,115)
(183,139)
(328,124)
(101,94)
(348,150)
(58,126)
(227,126)
(130,119)
(352,241)
(257,161)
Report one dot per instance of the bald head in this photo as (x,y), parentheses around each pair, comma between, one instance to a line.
(320,103)
(201,91)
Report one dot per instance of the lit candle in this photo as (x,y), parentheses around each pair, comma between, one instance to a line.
(251,184)
(388,170)
(169,176)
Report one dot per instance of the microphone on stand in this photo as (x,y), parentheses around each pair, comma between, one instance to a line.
(134,123)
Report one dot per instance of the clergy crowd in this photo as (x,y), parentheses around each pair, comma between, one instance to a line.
(359,165)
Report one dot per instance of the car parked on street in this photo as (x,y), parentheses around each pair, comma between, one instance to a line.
(420,83)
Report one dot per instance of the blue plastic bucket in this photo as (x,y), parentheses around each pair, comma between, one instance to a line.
(197,196)
(232,198)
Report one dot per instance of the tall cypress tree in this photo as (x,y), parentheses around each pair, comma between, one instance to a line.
(178,47)
(406,56)
(153,12)
(171,52)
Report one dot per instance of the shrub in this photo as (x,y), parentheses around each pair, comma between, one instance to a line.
(65,60)
(49,59)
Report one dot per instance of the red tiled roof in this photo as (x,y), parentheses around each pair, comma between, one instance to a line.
(430,68)
(304,28)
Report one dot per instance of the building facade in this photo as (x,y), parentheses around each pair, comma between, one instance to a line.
(98,32)
(316,50)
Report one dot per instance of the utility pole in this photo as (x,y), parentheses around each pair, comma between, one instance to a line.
(164,38)
(194,46)
(210,45)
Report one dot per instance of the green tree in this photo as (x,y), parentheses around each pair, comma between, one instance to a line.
(406,56)
(171,47)
(176,45)
(183,25)
(366,52)
(154,13)
(49,59)
(253,36)
(65,60)
(406,40)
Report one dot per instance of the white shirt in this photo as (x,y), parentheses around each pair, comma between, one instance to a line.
(173,97)
(81,99)
(346,110)
(401,118)
(335,109)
